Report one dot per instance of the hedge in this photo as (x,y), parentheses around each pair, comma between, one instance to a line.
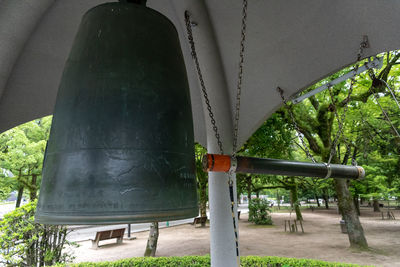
(204,261)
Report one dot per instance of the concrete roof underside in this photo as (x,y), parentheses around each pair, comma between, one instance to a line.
(290,44)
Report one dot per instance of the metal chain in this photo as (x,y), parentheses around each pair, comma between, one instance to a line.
(338,119)
(296,127)
(236,122)
(391,92)
(364,44)
(237,108)
(240,77)
(202,84)
(341,120)
(384,112)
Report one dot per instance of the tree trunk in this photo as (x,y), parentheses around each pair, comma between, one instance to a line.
(278,199)
(316,199)
(19,197)
(203,202)
(357,204)
(152,241)
(349,213)
(248,180)
(33,189)
(375,203)
(295,201)
(326,199)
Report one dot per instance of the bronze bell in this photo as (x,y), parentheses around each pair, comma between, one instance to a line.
(121,146)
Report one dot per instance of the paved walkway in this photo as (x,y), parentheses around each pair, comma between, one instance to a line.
(86,232)
(322,240)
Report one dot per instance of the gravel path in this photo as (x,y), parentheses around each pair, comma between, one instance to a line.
(322,240)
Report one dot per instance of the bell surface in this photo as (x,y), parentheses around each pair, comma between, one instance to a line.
(121,146)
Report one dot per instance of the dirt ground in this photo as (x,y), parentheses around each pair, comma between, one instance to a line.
(322,240)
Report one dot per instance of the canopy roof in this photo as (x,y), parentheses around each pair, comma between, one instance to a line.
(290,44)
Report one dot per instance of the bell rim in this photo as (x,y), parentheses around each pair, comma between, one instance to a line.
(170,215)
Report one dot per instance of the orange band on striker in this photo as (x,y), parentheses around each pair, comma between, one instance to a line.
(218,163)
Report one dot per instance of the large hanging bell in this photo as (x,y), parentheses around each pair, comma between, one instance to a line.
(121,146)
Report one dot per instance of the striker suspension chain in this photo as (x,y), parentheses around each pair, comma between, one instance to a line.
(379,104)
(392,93)
(384,112)
(341,120)
(240,77)
(202,84)
(236,123)
(303,145)
(364,44)
(237,106)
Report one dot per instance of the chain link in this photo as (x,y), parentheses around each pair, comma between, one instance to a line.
(236,121)
(392,93)
(384,112)
(364,44)
(240,77)
(296,127)
(202,84)
(210,113)
(341,120)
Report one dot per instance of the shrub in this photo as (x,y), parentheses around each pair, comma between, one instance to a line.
(26,243)
(259,211)
(204,261)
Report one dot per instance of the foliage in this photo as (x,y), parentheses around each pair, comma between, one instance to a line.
(204,261)
(319,120)
(272,139)
(26,243)
(6,184)
(259,211)
(21,154)
(202,179)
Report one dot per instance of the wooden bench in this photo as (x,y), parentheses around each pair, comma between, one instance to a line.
(109,234)
(199,220)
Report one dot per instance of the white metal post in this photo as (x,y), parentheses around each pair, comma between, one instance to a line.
(222,243)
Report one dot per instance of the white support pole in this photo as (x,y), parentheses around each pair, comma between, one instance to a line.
(222,243)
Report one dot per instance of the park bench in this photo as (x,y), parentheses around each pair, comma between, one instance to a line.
(199,220)
(108,234)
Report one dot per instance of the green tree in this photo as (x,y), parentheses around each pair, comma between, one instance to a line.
(151,246)
(202,181)
(316,121)
(272,140)
(22,153)
(26,243)
(259,211)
